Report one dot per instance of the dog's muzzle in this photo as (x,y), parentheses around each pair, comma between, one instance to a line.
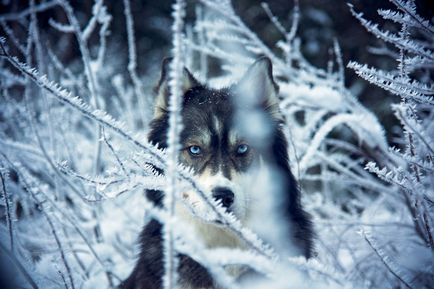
(224,195)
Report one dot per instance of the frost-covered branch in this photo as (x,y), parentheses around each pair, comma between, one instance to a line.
(7,200)
(92,82)
(393,268)
(132,64)
(119,128)
(94,199)
(413,174)
(42,7)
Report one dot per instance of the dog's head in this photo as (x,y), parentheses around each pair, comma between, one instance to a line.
(226,132)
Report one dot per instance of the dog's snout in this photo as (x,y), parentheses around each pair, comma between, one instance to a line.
(225,195)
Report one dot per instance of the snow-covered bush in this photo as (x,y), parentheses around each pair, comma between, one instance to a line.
(407,250)
(73,168)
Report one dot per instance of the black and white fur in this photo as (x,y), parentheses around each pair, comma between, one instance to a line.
(223,168)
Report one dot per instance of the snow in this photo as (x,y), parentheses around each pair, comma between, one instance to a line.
(73,169)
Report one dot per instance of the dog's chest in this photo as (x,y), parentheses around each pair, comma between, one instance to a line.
(212,236)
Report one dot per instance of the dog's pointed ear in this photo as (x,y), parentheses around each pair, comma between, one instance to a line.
(257,86)
(162,88)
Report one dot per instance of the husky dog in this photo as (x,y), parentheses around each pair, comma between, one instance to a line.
(223,155)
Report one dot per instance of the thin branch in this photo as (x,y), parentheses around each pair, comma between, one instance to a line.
(26,12)
(416,132)
(384,259)
(114,153)
(60,246)
(8,214)
(90,75)
(170,278)
(422,24)
(132,65)
(274,19)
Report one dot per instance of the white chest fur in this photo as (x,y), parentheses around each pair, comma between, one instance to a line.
(211,235)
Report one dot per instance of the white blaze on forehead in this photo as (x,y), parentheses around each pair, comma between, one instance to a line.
(217,125)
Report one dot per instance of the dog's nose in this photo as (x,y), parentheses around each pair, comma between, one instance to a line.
(225,195)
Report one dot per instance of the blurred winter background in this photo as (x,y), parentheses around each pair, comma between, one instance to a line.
(356,89)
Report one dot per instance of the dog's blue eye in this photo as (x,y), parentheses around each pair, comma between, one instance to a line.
(242,149)
(195,150)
